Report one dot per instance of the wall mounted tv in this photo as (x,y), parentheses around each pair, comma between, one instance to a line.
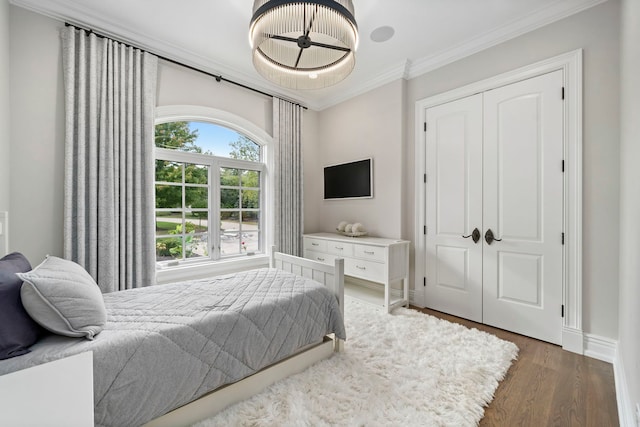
(349,180)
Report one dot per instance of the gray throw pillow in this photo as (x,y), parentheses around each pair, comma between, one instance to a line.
(62,297)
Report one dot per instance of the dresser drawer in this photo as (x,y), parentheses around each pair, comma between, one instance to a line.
(318,245)
(369,270)
(373,253)
(321,257)
(340,248)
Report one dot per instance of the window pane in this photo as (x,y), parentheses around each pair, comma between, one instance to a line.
(251,179)
(189,227)
(196,246)
(168,196)
(168,248)
(250,199)
(229,199)
(245,149)
(250,232)
(200,220)
(229,233)
(196,197)
(166,222)
(229,177)
(176,136)
(167,171)
(196,174)
(230,221)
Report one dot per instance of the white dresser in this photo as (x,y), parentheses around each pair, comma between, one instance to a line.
(372,259)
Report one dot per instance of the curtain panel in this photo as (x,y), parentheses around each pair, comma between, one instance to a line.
(288,191)
(110,91)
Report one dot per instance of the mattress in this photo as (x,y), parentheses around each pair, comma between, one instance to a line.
(166,345)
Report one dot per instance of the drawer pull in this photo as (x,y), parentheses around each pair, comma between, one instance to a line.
(315,244)
(361,268)
(369,252)
(339,248)
(320,259)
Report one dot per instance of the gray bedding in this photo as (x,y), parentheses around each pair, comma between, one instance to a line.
(166,345)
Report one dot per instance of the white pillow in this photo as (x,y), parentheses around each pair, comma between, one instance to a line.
(62,297)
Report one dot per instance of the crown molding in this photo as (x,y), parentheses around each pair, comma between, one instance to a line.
(83,17)
(73,13)
(502,34)
(411,69)
(65,11)
(399,71)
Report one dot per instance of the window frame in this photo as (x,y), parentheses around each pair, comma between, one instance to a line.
(170,156)
(214,163)
(215,263)
(224,162)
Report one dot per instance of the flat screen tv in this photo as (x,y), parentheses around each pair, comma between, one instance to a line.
(349,180)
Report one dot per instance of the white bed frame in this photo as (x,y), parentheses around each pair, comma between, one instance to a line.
(215,401)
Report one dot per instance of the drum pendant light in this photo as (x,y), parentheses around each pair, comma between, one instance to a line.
(303,44)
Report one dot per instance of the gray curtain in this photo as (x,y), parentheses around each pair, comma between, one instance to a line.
(288,194)
(110,91)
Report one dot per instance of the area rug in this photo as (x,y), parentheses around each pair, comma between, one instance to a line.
(401,369)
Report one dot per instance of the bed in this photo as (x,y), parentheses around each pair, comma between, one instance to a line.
(174,354)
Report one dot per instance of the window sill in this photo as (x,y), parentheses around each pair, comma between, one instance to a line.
(214,268)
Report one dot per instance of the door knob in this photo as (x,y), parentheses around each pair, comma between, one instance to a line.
(475,235)
(489,237)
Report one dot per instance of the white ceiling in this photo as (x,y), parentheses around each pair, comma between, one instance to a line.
(212,34)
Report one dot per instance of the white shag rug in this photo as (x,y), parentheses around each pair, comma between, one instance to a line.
(399,369)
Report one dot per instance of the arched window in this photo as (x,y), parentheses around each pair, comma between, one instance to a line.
(209,190)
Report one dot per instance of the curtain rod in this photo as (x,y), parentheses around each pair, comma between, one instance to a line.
(218,77)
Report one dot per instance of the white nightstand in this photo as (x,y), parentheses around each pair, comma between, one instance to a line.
(58,393)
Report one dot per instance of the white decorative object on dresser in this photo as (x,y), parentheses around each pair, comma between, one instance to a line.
(372,259)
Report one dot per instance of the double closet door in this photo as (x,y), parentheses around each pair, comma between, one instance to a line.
(495,207)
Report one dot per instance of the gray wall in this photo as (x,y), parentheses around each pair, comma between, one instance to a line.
(5,119)
(37,136)
(629,313)
(370,125)
(313,186)
(596,31)
(181,86)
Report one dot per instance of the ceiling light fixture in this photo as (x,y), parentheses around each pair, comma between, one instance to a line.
(303,44)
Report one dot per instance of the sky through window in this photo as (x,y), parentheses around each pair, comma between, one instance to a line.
(214,138)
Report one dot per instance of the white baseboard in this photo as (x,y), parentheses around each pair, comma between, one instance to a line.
(606,349)
(600,348)
(572,340)
(625,407)
(413,299)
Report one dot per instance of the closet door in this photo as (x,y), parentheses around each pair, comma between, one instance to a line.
(454,208)
(522,192)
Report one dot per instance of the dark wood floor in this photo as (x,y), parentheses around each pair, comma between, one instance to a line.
(548,386)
